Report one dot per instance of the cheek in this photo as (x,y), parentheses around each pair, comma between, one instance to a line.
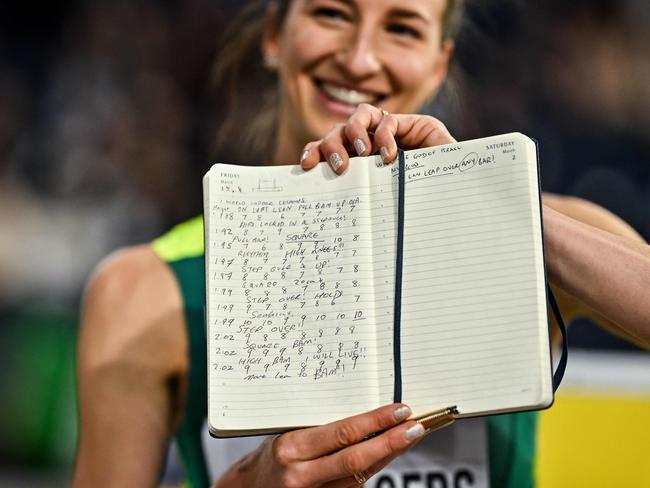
(413,78)
(305,46)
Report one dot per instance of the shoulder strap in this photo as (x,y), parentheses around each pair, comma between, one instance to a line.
(182,249)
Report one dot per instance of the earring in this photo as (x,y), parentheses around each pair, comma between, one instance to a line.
(271,63)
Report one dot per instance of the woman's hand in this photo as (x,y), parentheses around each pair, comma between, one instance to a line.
(330,455)
(369,130)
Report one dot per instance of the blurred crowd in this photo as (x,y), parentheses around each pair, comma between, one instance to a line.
(108,120)
(99,132)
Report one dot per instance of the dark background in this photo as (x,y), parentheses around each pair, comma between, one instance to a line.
(108,119)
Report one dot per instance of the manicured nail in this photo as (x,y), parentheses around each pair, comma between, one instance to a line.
(414,432)
(305,155)
(402,412)
(384,154)
(336,161)
(359,146)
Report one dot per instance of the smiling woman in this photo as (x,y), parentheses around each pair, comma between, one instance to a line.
(334,54)
(142,348)
(326,57)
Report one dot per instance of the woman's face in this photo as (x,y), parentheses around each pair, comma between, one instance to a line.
(334,54)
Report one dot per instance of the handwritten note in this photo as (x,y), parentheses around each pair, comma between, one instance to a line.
(474,287)
(291,286)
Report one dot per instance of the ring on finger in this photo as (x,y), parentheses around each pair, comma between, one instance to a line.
(383,112)
(360,477)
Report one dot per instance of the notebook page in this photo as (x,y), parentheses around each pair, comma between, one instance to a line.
(384,230)
(474,324)
(290,300)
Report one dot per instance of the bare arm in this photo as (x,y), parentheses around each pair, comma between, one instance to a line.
(132,350)
(602,265)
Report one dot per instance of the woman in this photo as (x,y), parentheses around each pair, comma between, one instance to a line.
(142,344)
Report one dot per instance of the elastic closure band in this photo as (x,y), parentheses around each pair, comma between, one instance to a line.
(399,252)
(561,365)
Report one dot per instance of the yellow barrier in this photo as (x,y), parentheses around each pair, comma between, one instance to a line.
(594,438)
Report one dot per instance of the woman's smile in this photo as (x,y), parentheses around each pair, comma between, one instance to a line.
(336,54)
(340,99)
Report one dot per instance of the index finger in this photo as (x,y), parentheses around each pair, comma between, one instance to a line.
(360,126)
(325,439)
(409,131)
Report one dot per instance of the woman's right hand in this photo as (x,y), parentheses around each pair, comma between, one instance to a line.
(329,455)
(370,130)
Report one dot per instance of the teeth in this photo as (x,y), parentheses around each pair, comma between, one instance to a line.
(344,95)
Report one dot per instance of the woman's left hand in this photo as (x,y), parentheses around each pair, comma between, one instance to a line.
(370,130)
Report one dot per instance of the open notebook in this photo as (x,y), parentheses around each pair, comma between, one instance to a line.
(300,281)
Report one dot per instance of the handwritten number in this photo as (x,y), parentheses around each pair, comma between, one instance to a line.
(272,282)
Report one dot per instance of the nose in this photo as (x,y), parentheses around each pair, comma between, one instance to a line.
(358,57)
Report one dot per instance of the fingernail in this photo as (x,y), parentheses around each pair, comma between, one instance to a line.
(384,154)
(336,161)
(414,432)
(359,146)
(305,155)
(402,412)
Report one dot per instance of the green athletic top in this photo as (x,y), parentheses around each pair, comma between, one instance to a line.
(511,438)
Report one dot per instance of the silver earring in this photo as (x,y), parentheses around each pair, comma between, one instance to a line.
(271,63)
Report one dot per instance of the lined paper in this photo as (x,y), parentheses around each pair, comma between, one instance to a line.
(291,319)
(474,305)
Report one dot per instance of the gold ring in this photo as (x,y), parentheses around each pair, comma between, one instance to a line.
(360,478)
(384,112)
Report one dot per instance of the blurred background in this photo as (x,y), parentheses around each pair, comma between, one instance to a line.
(108,118)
